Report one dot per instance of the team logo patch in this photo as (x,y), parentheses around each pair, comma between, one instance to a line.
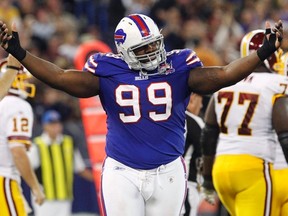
(120,36)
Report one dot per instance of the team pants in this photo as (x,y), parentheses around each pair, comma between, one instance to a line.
(131,192)
(11,199)
(281,191)
(244,184)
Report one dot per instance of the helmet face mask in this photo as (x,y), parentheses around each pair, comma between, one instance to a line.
(132,36)
(254,40)
(20,86)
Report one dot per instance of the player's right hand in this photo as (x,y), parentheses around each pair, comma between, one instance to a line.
(11,43)
(208,191)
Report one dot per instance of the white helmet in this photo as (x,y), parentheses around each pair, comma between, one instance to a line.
(135,31)
(283,67)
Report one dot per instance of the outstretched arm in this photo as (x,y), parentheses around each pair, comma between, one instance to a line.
(73,82)
(8,77)
(207,80)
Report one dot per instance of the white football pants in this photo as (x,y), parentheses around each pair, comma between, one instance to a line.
(132,192)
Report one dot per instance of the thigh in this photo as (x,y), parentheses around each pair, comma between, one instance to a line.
(280,193)
(221,181)
(11,200)
(119,190)
(244,184)
(169,190)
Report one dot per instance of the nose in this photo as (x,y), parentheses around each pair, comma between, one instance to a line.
(150,48)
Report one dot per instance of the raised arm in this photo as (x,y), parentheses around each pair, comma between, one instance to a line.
(207,80)
(71,81)
(8,77)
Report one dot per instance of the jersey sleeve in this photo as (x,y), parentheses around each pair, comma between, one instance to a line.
(101,64)
(280,87)
(19,127)
(184,60)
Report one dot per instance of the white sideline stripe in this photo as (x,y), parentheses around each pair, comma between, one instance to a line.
(9,197)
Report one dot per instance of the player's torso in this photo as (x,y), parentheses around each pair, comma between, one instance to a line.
(146,114)
(16,122)
(244,113)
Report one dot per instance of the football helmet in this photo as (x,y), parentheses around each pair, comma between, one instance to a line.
(20,86)
(283,66)
(254,40)
(135,32)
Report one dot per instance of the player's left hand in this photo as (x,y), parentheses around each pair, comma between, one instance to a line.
(272,40)
(209,195)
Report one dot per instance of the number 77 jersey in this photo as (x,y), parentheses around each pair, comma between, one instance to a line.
(145,114)
(244,114)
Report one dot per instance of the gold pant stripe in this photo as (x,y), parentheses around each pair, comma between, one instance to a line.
(11,200)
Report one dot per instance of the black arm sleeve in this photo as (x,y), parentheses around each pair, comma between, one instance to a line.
(193,138)
(209,139)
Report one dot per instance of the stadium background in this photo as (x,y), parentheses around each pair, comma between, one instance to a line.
(66,32)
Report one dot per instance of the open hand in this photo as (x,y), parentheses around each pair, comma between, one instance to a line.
(11,43)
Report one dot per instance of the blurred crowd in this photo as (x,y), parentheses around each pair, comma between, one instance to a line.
(54,29)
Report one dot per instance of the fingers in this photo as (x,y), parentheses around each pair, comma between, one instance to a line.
(267,25)
(13,27)
(4,36)
(40,200)
(277,30)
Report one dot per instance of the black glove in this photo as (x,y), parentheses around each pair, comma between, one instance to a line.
(14,47)
(268,47)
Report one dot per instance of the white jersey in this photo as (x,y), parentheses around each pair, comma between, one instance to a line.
(280,161)
(244,114)
(16,121)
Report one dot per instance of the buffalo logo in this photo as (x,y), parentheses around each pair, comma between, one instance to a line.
(120,36)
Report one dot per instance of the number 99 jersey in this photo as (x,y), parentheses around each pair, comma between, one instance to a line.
(145,114)
(244,114)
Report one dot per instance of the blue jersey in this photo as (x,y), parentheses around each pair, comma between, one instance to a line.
(145,114)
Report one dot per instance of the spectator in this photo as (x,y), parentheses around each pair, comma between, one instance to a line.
(55,160)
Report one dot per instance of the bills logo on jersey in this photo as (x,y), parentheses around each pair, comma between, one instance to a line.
(168,68)
(120,36)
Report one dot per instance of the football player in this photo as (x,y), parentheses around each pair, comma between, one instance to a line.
(15,132)
(144,91)
(239,133)
(280,163)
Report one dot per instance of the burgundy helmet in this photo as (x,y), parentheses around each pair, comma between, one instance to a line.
(254,40)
